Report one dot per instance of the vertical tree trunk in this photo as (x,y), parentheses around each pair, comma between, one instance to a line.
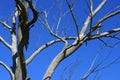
(19,66)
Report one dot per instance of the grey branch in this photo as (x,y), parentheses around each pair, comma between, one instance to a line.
(55,62)
(86,23)
(34,54)
(5,43)
(109,16)
(46,24)
(105,34)
(8,69)
(104,19)
(5,25)
(39,50)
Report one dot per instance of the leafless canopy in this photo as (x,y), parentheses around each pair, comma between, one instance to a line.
(88,31)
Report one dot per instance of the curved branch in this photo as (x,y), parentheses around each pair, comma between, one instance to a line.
(8,69)
(109,16)
(34,11)
(86,23)
(61,56)
(39,50)
(44,47)
(104,19)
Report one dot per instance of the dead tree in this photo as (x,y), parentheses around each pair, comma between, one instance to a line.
(22,39)
(21,25)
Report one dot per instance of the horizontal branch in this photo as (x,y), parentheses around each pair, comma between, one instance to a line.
(8,69)
(105,34)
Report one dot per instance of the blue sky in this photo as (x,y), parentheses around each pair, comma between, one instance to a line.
(39,36)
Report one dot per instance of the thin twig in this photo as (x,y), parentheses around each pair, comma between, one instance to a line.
(73,16)
(5,25)
(105,43)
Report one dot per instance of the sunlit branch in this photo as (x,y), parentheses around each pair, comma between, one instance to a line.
(89,18)
(90,7)
(14,17)
(55,62)
(13,33)
(14,42)
(44,47)
(105,34)
(39,50)
(109,16)
(113,10)
(104,19)
(81,34)
(60,56)
(99,7)
(8,69)
(5,43)
(5,25)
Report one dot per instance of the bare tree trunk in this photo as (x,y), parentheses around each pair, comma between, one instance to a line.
(19,66)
